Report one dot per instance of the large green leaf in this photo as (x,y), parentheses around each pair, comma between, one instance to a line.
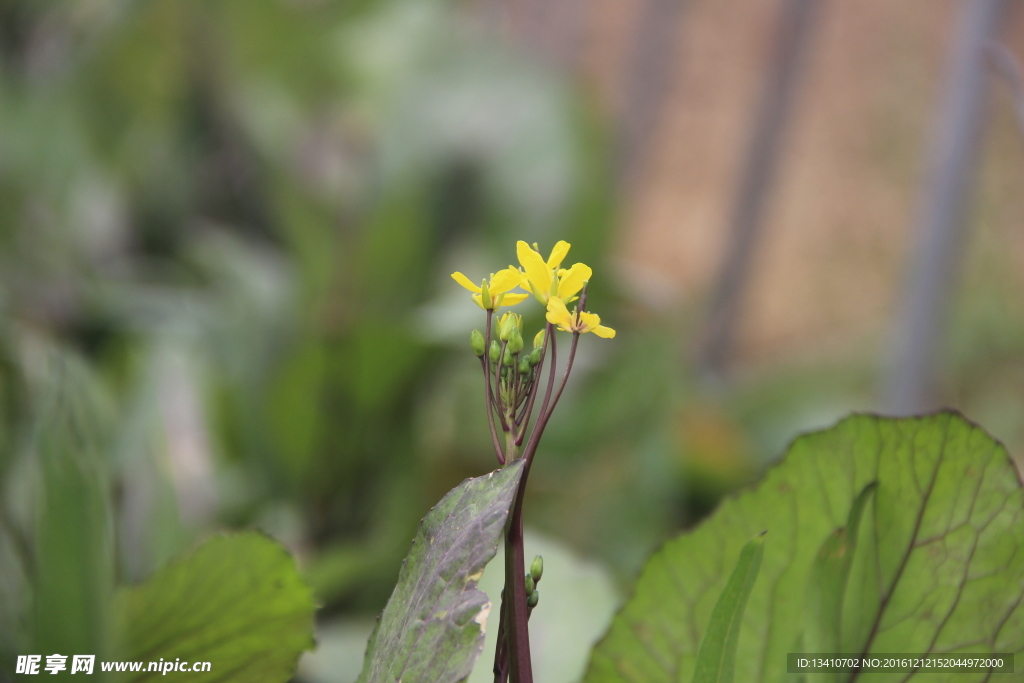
(938,567)
(431,630)
(237,602)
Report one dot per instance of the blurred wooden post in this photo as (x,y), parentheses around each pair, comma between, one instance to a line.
(648,80)
(1007,66)
(555,30)
(769,126)
(945,199)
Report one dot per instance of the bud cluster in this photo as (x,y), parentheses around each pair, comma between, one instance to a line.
(532,579)
(515,371)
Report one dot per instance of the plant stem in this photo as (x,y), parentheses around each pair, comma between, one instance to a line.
(542,419)
(488,397)
(511,449)
(520,663)
(531,445)
(501,648)
(524,417)
(500,402)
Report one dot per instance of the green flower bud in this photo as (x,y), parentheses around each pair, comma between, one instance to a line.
(537,568)
(508,323)
(495,351)
(530,585)
(476,342)
(535,356)
(534,598)
(507,360)
(485,295)
(538,340)
(524,365)
(515,342)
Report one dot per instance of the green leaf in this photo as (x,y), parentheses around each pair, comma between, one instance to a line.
(73,567)
(716,660)
(829,576)
(938,567)
(432,627)
(237,602)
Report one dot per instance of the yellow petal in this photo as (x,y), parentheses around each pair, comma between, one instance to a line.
(573,280)
(558,253)
(536,270)
(513,298)
(505,280)
(465,282)
(589,321)
(558,314)
(603,331)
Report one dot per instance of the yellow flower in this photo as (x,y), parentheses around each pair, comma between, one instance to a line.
(576,321)
(492,294)
(544,279)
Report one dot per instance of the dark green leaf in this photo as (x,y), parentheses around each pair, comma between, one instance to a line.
(716,660)
(236,602)
(938,567)
(432,627)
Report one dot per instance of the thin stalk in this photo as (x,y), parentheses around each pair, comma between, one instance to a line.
(494,402)
(524,418)
(513,402)
(542,419)
(487,390)
(500,402)
(501,648)
(531,445)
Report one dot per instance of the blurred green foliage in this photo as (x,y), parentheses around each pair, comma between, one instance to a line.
(226,229)
(234,220)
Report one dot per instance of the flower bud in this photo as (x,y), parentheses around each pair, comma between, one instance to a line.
(507,324)
(534,598)
(476,342)
(530,585)
(534,356)
(485,295)
(515,342)
(495,351)
(524,365)
(537,568)
(507,360)
(538,340)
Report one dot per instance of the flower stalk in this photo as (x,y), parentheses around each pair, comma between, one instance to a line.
(511,394)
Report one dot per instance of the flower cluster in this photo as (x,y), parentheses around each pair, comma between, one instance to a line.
(552,285)
(512,376)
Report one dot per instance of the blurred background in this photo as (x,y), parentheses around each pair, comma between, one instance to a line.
(227,229)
